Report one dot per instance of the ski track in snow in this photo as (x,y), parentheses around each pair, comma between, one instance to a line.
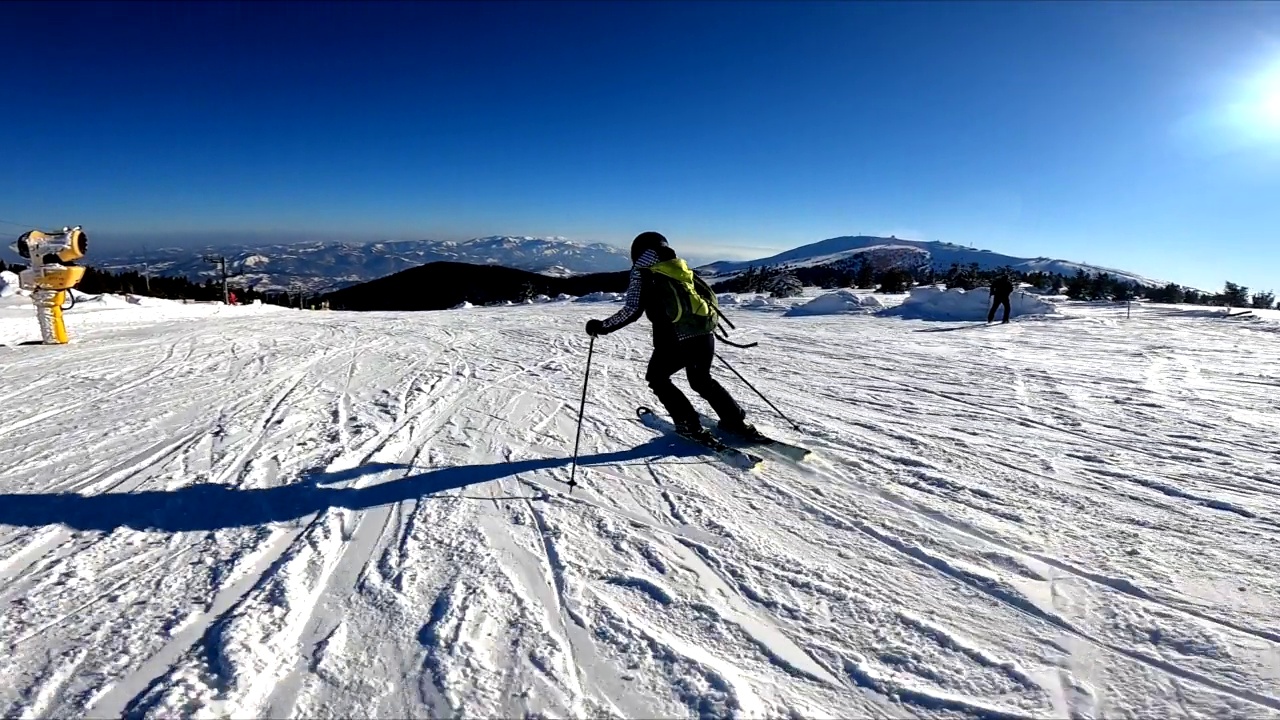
(288,514)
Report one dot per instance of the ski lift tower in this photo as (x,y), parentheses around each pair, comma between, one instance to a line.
(221,262)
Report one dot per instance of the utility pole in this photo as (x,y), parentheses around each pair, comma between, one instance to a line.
(221,262)
(146,269)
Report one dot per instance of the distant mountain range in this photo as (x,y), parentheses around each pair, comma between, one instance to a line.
(910,254)
(320,267)
(327,266)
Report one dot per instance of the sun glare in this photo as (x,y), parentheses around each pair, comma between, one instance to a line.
(1264,101)
(1246,116)
(1269,108)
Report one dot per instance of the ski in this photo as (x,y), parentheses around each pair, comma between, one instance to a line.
(733,456)
(764,442)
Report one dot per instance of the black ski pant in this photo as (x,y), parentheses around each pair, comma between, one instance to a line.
(997,301)
(694,356)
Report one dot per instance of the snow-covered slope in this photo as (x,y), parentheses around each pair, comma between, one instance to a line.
(259,512)
(941,255)
(320,266)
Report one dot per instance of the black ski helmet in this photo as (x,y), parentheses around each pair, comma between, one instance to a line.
(646,241)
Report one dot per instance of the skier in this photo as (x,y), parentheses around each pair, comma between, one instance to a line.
(1001,289)
(682,309)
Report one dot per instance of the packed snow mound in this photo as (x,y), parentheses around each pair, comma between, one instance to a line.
(934,303)
(563,297)
(600,297)
(727,299)
(8,284)
(840,302)
(464,305)
(762,301)
(541,299)
(103,300)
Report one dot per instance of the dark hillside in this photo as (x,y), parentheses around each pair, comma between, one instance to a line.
(441,285)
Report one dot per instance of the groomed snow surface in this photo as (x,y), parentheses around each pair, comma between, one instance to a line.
(213,511)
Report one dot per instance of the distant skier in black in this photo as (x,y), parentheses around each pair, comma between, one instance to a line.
(682,309)
(1001,289)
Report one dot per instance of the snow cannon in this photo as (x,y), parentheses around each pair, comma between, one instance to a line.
(51,275)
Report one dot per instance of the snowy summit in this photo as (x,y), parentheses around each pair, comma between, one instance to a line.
(910,254)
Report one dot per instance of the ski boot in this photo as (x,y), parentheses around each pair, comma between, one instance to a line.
(744,431)
(695,432)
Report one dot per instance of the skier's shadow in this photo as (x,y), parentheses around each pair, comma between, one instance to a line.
(208,507)
(971,326)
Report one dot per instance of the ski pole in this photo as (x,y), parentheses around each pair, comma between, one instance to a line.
(753,388)
(582,408)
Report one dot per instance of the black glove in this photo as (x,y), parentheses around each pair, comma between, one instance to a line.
(594,327)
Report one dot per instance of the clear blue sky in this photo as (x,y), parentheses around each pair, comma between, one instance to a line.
(1143,135)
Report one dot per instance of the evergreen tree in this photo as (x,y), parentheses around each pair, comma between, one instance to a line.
(895,280)
(1078,287)
(1264,300)
(785,285)
(965,278)
(1171,293)
(1040,280)
(1234,295)
(865,278)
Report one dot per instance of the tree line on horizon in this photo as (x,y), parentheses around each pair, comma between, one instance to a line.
(787,281)
(779,281)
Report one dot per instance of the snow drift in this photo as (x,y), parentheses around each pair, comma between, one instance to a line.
(934,303)
(763,301)
(840,302)
(8,284)
(600,297)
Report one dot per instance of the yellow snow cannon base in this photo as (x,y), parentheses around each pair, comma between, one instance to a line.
(53,330)
(59,327)
(60,278)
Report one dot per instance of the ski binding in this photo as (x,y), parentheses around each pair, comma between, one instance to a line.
(733,456)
